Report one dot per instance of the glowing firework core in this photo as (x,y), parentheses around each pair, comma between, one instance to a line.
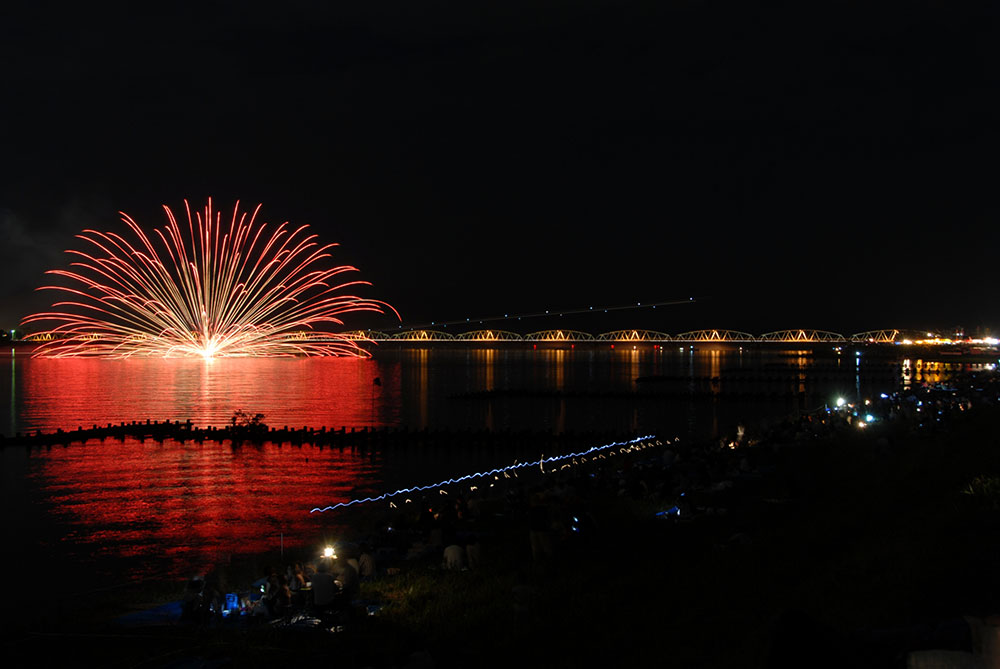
(236,289)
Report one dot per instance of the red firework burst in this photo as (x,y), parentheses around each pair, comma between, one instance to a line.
(208,289)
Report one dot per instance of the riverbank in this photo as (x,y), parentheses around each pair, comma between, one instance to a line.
(814,542)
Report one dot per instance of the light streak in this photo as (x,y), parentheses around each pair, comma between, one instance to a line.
(622,447)
(549,312)
(211,288)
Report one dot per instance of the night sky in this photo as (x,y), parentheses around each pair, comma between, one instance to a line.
(829,166)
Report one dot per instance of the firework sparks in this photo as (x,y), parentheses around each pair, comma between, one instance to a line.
(206,289)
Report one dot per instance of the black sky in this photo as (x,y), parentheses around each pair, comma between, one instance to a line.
(829,166)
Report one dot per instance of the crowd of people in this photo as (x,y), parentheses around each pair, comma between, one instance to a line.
(553,512)
(324,589)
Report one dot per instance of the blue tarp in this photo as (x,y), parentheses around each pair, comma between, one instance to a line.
(165,614)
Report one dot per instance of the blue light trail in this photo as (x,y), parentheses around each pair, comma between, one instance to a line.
(625,447)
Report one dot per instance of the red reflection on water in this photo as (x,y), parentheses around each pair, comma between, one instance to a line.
(184,506)
(318,392)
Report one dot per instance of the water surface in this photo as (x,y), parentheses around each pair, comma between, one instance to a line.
(131,509)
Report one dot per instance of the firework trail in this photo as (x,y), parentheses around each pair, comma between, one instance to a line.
(208,288)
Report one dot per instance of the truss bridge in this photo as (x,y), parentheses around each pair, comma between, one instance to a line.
(800,336)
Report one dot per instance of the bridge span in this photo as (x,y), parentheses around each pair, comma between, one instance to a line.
(653,337)
(800,336)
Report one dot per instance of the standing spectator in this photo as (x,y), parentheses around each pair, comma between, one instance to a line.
(454,557)
(347,581)
(366,564)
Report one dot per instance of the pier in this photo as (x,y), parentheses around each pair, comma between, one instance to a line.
(361,440)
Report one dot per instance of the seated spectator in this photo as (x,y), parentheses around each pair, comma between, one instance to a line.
(295,576)
(324,586)
(192,601)
(308,570)
(279,597)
